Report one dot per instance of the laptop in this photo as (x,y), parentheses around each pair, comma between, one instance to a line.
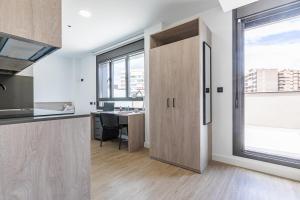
(108,106)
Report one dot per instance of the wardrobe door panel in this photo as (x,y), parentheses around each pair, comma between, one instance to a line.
(174,57)
(186,135)
(160,103)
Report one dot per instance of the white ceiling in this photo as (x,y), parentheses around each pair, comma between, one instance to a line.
(228,5)
(114,20)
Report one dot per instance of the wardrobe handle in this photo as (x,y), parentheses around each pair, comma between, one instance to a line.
(173,102)
(168,102)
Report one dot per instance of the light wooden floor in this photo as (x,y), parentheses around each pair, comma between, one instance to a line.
(119,175)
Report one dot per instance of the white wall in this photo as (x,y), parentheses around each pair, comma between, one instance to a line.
(220,24)
(58,79)
(86,90)
(54,78)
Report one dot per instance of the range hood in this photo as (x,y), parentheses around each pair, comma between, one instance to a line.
(16,53)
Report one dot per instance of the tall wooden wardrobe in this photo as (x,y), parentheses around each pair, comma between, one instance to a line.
(177,133)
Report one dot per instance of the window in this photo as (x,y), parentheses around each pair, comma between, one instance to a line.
(136,75)
(122,79)
(104,80)
(267,85)
(119,78)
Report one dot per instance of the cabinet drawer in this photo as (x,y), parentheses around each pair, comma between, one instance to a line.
(98,133)
(97,119)
(98,130)
(97,122)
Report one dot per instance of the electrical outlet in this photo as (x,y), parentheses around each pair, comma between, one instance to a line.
(220,89)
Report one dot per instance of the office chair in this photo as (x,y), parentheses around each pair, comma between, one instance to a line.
(110,126)
(123,124)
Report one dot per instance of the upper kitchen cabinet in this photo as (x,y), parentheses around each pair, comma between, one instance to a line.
(36,20)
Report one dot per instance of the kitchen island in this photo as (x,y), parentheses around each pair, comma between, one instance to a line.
(45,158)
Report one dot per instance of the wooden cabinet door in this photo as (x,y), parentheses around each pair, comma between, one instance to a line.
(186,134)
(38,20)
(175,130)
(47,22)
(16,18)
(160,103)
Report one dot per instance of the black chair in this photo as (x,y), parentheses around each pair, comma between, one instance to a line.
(123,125)
(110,126)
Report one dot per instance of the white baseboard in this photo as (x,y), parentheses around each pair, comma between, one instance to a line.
(268,168)
(146,145)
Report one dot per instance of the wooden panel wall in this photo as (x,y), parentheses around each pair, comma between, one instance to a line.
(45,160)
(136,132)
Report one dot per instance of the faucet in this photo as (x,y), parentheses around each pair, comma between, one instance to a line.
(3,87)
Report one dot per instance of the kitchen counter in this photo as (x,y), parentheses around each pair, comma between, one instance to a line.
(49,154)
(41,118)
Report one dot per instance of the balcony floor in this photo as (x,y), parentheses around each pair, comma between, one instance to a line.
(271,140)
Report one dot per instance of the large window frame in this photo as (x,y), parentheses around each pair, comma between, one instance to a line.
(127,76)
(251,19)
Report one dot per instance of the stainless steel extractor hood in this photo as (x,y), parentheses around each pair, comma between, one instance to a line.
(16,53)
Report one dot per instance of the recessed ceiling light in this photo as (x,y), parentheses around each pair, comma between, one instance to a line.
(85,13)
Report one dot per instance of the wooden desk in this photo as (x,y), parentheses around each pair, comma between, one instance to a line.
(136,128)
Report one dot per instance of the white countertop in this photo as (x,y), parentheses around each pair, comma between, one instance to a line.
(121,113)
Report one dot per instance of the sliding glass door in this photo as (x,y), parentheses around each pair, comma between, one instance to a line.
(267,86)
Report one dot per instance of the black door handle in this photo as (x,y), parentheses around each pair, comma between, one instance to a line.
(3,87)
(168,102)
(173,102)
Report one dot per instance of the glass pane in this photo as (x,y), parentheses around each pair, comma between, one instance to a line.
(103,77)
(119,78)
(136,76)
(207,96)
(19,49)
(272,85)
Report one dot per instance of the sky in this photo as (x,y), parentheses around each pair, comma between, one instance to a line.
(275,45)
